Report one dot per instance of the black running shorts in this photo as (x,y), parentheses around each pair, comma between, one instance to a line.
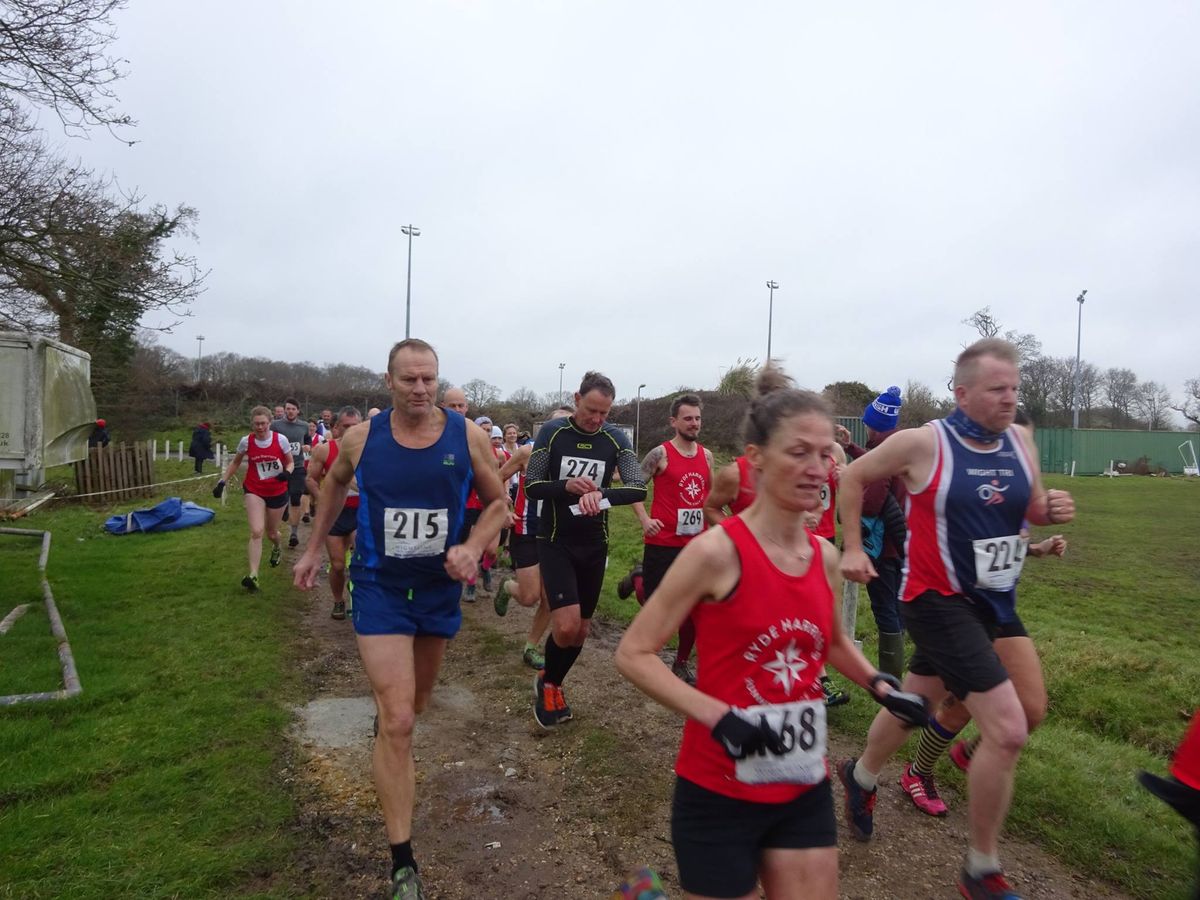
(718,840)
(346,522)
(954,638)
(655,562)
(523,550)
(470,517)
(296,485)
(279,501)
(573,574)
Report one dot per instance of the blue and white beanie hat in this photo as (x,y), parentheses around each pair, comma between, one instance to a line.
(883,413)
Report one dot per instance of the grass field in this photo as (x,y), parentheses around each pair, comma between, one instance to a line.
(1117,624)
(161,779)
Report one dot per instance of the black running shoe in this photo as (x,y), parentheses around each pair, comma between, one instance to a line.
(339,610)
(860,803)
(625,585)
(294,540)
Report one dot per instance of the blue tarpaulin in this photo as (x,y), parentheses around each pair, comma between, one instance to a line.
(170,515)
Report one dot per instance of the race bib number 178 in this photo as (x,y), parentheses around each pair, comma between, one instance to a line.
(415,532)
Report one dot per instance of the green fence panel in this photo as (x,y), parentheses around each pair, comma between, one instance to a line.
(1092,449)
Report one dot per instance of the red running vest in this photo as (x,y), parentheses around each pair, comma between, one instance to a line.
(351,498)
(679,492)
(827,527)
(263,464)
(746,486)
(766,642)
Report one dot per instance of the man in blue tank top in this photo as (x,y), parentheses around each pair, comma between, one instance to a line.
(414,464)
(972,481)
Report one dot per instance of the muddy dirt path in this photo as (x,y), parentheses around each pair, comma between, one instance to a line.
(506,810)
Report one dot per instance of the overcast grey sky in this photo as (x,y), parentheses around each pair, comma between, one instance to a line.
(610,184)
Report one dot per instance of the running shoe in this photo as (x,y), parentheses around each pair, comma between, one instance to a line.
(276,555)
(294,540)
(992,886)
(469,594)
(684,672)
(406,885)
(860,803)
(564,711)
(958,755)
(834,695)
(305,519)
(533,658)
(923,792)
(625,585)
(250,583)
(545,702)
(487,579)
(500,601)
(339,610)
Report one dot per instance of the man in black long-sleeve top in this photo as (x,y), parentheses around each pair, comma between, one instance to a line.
(571,471)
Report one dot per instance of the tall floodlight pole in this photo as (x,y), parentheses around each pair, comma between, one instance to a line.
(1078,340)
(199,353)
(774,286)
(637,424)
(561,366)
(412,231)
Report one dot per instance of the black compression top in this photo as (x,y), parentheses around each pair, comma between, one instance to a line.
(563,451)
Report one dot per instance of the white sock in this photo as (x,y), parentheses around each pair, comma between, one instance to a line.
(864,779)
(980,864)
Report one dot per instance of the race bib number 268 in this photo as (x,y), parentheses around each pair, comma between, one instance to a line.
(415,532)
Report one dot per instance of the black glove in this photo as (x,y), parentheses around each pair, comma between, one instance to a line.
(283,476)
(740,736)
(219,489)
(911,709)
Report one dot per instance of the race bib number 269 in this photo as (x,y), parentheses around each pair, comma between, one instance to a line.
(415,532)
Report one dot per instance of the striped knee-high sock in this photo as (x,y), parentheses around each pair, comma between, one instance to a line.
(934,741)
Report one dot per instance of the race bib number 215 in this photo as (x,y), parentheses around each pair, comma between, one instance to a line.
(415,532)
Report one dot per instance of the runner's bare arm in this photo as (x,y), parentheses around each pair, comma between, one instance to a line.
(462,559)
(516,463)
(334,489)
(1052,507)
(652,463)
(233,466)
(316,468)
(706,570)
(724,492)
(843,654)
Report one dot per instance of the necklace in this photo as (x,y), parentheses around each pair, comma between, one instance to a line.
(801,555)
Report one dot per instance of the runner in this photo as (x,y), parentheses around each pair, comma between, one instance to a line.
(325,426)
(455,398)
(475,510)
(752,799)
(341,532)
(315,439)
(295,430)
(1180,790)
(522,546)
(571,471)
(732,491)
(682,471)
(268,472)
(277,414)
(413,464)
(971,482)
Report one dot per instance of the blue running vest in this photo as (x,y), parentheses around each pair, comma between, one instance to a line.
(411,505)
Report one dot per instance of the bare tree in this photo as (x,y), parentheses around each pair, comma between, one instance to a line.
(526,400)
(1120,385)
(1091,382)
(54,54)
(921,406)
(480,393)
(1152,400)
(1190,407)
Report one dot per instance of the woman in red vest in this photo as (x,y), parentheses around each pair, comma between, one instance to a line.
(269,466)
(752,798)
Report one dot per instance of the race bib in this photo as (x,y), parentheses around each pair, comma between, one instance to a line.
(296,445)
(802,726)
(691,521)
(581,467)
(268,468)
(415,532)
(998,561)
(825,496)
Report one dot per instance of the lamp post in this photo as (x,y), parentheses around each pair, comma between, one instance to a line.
(1078,339)
(637,424)
(412,231)
(561,366)
(773,286)
(199,353)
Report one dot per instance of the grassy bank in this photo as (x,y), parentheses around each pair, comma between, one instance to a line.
(160,779)
(1116,624)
